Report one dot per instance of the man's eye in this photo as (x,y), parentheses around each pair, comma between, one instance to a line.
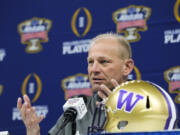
(104,61)
(90,62)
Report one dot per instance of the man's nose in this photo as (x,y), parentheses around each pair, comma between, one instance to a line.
(95,67)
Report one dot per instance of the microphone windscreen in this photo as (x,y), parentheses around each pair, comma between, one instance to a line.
(81,95)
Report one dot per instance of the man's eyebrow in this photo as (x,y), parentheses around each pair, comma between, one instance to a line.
(101,57)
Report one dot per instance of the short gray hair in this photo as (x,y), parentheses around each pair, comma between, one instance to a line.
(119,38)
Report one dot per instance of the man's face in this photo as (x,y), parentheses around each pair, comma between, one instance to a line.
(105,63)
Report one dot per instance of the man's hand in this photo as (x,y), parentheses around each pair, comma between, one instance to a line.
(105,91)
(29,116)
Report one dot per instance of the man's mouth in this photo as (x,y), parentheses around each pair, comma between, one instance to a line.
(98,80)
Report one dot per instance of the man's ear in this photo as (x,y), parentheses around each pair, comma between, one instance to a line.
(128,66)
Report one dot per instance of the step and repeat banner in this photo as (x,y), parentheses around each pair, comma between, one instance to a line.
(44,45)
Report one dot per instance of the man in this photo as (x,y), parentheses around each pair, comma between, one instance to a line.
(109,63)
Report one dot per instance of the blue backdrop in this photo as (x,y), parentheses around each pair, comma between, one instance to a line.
(44,44)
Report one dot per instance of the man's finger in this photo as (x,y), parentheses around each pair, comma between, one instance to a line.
(41,118)
(101,94)
(26,99)
(98,103)
(31,116)
(23,110)
(19,103)
(106,90)
(114,82)
(38,118)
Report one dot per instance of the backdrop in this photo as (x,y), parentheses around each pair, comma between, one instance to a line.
(44,45)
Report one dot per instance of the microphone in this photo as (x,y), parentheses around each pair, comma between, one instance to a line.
(74,109)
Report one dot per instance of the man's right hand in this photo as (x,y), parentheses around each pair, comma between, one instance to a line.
(29,116)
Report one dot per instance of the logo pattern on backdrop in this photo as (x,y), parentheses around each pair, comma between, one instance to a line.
(176,10)
(81,22)
(1,89)
(32,86)
(135,74)
(172,36)
(2,54)
(33,32)
(76,85)
(130,20)
(172,77)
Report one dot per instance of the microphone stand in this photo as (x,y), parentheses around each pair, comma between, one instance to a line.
(73,127)
(69,116)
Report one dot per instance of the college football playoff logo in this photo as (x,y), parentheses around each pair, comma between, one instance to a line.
(135,74)
(130,20)
(1,89)
(81,22)
(33,32)
(32,86)
(176,10)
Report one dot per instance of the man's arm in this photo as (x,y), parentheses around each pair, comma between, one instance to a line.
(55,130)
(29,116)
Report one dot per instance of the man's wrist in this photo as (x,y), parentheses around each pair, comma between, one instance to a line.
(31,131)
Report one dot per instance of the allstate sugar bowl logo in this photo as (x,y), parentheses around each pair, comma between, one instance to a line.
(172,77)
(32,87)
(33,32)
(76,85)
(81,22)
(130,20)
